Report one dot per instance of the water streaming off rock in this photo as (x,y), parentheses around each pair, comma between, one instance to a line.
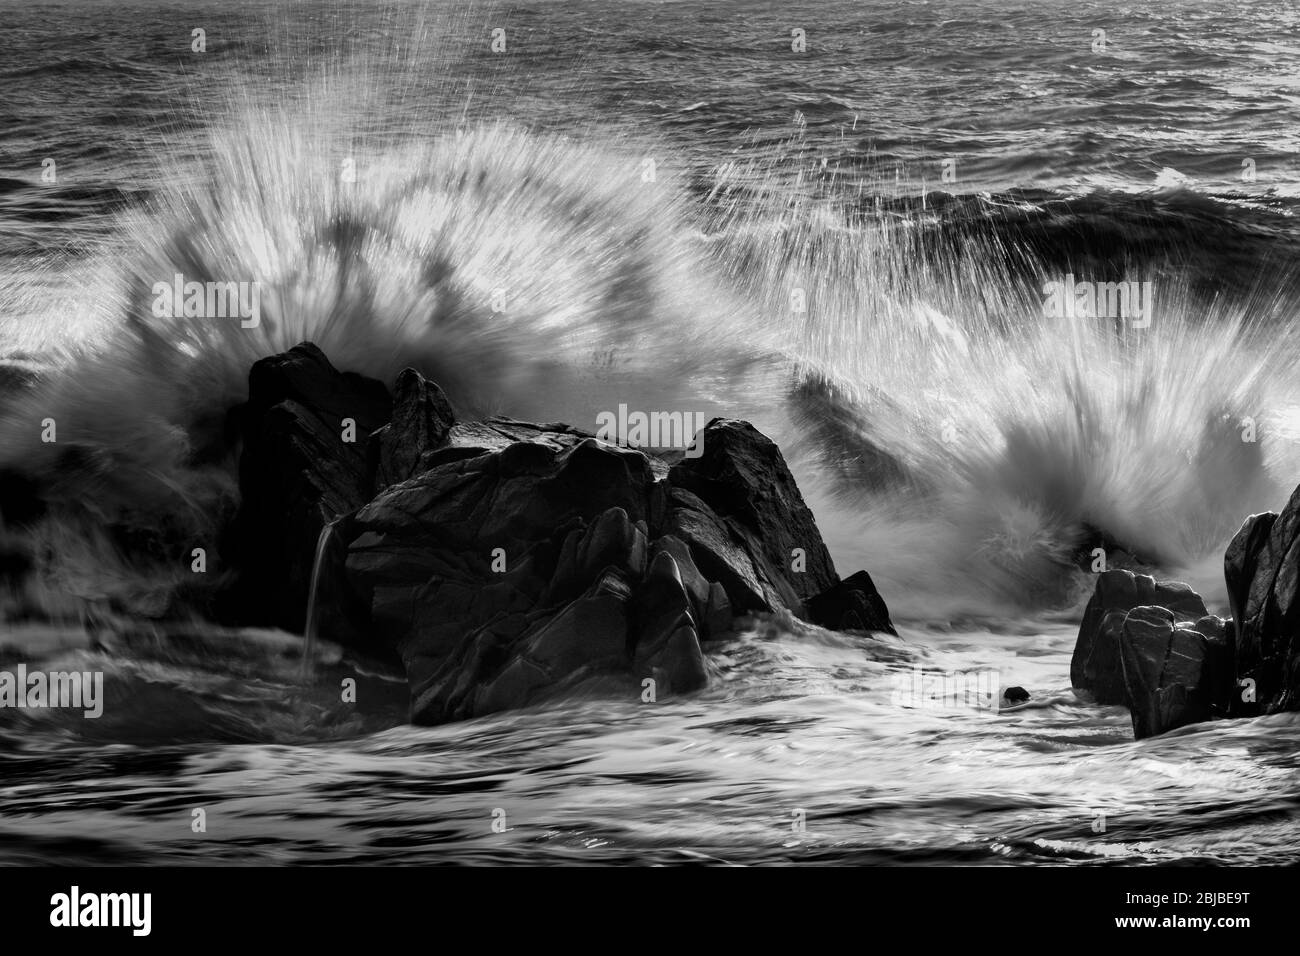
(313,602)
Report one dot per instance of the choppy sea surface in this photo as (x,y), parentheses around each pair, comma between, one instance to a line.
(653,180)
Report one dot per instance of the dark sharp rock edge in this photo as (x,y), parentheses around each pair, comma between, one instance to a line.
(422,419)
(852,605)
(1262,568)
(742,477)
(503,560)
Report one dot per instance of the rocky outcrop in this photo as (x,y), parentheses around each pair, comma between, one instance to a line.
(502,560)
(1095,669)
(422,419)
(465,567)
(1151,646)
(852,605)
(1241,558)
(305,429)
(741,477)
(1174,673)
(522,557)
(1262,569)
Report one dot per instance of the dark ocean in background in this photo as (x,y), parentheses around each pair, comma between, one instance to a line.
(1183,94)
(773,170)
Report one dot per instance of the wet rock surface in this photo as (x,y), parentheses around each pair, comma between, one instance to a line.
(1153,647)
(1095,667)
(502,561)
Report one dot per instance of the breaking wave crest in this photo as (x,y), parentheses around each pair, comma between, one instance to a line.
(968,450)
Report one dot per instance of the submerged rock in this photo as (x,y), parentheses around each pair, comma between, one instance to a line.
(503,560)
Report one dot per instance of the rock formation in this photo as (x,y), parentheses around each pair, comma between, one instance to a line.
(503,560)
(1151,645)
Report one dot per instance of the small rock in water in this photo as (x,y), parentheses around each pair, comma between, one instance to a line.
(1015,695)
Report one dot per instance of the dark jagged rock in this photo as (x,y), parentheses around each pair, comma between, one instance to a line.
(611,541)
(503,560)
(742,477)
(1015,695)
(305,376)
(1095,669)
(1175,673)
(297,473)
(718,618)
(516,530)
(1151,646)
(1105,675)
(422,420)
(717,553)
(1242,557)
(666,637)
(852,605)
(526,547)
(471,439)
(437,557)
(697,586)
(1215,628)
(1262,570)
(497,668)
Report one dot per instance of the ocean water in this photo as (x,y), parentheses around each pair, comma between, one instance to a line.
(847,245)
